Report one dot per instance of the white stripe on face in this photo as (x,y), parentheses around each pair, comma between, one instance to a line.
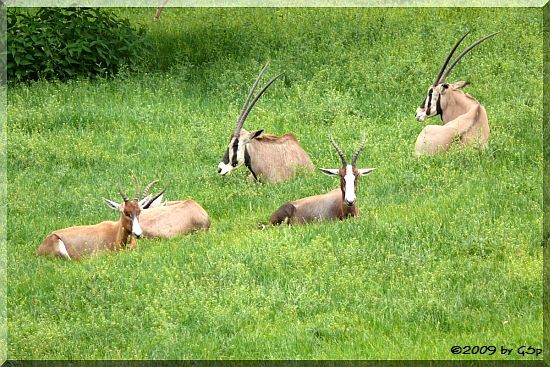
(234,157)
(136,228)
(349,179)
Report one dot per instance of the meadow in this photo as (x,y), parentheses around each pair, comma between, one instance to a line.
(446,251)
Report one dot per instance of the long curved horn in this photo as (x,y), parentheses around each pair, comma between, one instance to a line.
(258,97)
(340,153)
(121,192)
(356,154)
(438,78)
(137,187)
(462,55)
(240,120)
(148,187)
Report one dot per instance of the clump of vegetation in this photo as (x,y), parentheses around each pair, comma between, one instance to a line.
(67,42)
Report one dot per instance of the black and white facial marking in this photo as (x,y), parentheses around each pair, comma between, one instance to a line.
(432,104)
(348,180)
(130,210)
(348,173)
(236,153)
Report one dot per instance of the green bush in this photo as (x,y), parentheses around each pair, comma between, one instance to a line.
(67,42)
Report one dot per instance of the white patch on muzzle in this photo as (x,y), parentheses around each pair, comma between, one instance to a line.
(349,179)
(224,169)
(136,228)
(421,115)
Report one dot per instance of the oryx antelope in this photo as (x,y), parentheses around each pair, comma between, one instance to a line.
(172,218)
(462,115)
(74,242)
(268,157)
(336,204)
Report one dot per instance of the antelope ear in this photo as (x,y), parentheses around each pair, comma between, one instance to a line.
(442,88)
(153,201)
(156,202)
(458,85)
(144,201)
(330,171)
(112,204)
(255,134)
(365,171)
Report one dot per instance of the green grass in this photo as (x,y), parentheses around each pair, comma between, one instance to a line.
(446,250)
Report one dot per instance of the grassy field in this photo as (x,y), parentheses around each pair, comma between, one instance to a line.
(446,250)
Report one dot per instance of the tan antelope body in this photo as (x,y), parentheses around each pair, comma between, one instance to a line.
(174,218)
(463,117)
(269,158)
(336,204)
(74,242)
(273,158)
(329,206)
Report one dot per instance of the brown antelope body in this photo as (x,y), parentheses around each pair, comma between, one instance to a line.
(269,158)
(462,115)
(174,218)
(336,204)
(74,242)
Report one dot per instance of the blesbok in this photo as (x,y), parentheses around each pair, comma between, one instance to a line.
(171,218)
(268,157)
(462,115)
(74,242)
(336,204)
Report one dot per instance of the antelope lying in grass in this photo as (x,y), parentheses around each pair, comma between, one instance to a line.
(74,242)
(462,115)
(172,218)
(268,157)
(336,204)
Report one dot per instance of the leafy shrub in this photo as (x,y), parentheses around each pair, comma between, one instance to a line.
(67,42)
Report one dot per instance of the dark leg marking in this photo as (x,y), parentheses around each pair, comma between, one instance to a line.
(285,212)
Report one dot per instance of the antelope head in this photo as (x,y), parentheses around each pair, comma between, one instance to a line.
(236,153)
(348,172)
(130,210)
(436,101)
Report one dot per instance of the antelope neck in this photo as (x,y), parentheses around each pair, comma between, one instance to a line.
(347,211)
(438,108)
(123,235)
(457,104)
(248,164)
